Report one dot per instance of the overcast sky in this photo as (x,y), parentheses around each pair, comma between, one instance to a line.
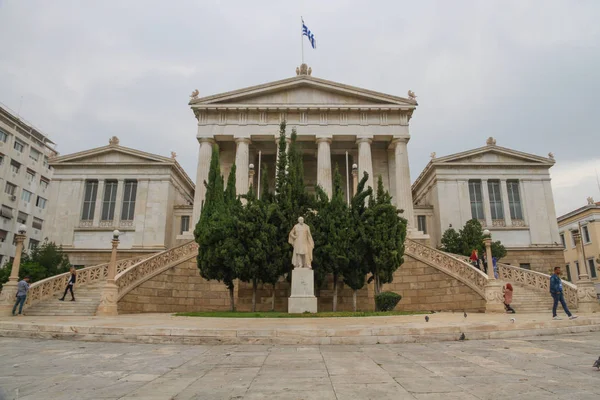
(527,73)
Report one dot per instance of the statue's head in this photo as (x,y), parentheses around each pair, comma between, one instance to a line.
(300,220)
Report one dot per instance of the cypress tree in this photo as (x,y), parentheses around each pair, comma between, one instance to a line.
(384,234)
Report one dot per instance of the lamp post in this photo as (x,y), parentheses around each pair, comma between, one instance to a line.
(9,289)
(487,240)
(494,300)
(110,291)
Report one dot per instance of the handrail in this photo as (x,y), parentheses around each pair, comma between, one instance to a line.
(146,269)
(48,287)
(449,264)
(536,280)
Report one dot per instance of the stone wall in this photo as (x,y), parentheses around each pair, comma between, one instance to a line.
(542,260)
(182,289)
(91,258)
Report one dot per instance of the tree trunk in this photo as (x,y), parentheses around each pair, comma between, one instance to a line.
(231,300)
(335,288)
(273,299)
(254,295)
(354,300)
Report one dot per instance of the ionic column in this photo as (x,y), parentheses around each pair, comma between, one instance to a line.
(505,203)
(403,193)
(324,164)
(242,159)
(119,202)
(487,209)
(204,156)
(365,162)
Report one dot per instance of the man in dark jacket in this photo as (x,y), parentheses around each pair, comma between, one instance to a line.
(556,290)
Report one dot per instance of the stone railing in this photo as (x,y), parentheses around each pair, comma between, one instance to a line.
(49,287)
(449,264)
(146,269)
(535,280)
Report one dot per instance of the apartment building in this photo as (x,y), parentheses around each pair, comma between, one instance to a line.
(25,176)
(584,223)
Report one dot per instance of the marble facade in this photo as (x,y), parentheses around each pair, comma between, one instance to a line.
(334,122)
(145,196)
(508,191)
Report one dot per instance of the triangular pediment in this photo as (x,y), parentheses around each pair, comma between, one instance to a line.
(493,155)
(111,155)
(303,90)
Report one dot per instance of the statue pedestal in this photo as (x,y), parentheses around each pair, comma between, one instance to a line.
(303,292)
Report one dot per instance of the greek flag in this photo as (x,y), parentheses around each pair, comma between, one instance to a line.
(311,37)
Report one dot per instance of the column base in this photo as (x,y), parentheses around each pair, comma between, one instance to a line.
(414,233)
(587,299)
(7,298)
(108,300)
(189,235)
(303,292)
(494,299)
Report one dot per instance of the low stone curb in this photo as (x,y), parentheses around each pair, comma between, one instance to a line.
(352,336)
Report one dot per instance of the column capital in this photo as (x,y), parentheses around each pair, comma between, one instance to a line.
(242,140)
(396,140)
(364,139)
(206,140)
(326,139)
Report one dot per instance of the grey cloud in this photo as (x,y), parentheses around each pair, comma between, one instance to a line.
(523,72)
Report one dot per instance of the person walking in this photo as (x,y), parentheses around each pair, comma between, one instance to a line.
(70,285)
(22,289)
(556,290)
(508,294)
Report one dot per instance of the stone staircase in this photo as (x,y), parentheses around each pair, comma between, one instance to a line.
(87,298)
(528,300)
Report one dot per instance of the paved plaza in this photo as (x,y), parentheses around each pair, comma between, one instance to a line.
(549,367)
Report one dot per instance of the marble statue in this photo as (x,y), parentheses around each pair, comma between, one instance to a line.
(302,241)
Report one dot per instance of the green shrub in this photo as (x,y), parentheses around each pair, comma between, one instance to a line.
(386,301)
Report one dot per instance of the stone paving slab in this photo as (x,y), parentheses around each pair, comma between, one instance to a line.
(169,329)
(557,367)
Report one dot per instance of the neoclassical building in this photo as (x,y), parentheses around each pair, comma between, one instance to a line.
(145,196)
(336,124)
(508,191)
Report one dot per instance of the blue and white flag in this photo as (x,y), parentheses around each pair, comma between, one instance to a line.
(311,37)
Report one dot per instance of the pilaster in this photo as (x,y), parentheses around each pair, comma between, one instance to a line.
(505,203)
(486,203)
(98,205)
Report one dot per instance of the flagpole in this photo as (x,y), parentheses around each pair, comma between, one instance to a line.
(301,38)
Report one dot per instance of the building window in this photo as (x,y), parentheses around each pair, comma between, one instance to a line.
(10,188)
(15,167)
(109,200)
(37,223)
(129,200)
(43,183)
(476,200)
(422,223)
(577,266)
(562,240)
(3,235)
(22,217)
(1,159)
(185,224)
(495,200)
(33,244)
(568,270)
(3,136)
(26,195)
(514,200)
(6,212)
(525,266)
(18,146)
(89,200)
(30,175)
(585,234)
(34,154)
(592,267)
(573,234)
(46,162)
(41,202)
